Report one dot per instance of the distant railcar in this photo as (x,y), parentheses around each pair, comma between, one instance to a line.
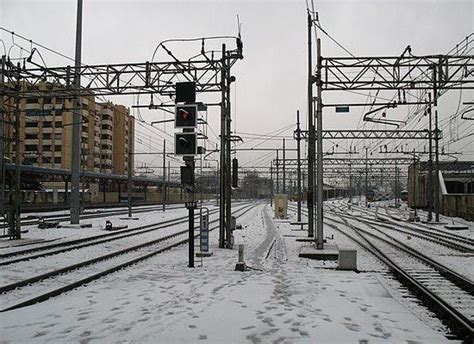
(404,196)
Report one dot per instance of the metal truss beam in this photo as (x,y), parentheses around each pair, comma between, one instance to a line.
(350,161)
(121,79)
(372,134)
(393,73)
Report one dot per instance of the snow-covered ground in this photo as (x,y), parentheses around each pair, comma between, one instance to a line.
(281,299)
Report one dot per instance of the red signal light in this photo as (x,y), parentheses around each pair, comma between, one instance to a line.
(184,114)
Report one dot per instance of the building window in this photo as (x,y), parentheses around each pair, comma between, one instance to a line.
(57,136)
(30,160)
(58,124)
(31,136)
(36,112)
(57,148)
(57,160)
(31,100)
(31,148)
(47,100)
(47,136)
(31,124)
(47,125)
(46,160)
(46,148)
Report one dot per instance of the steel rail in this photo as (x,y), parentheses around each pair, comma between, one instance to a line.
(456,320)
(61,290)
(92,240)
(430,231)
(62,218)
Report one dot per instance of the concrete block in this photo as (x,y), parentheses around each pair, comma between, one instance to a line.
(329,252)
(347,259)
(203,254)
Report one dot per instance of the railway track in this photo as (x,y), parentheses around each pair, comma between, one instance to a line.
(72,276)
(433,234)
(458,243)
(444,291)
(29,221)
(64,246)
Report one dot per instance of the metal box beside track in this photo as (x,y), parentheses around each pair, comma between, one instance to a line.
(281,206)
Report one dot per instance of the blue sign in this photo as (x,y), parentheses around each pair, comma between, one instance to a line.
(342,108)
(204,237)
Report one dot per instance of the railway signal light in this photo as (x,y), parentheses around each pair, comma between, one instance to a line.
(186,92)
(185,116)
(235,176)
(185,143)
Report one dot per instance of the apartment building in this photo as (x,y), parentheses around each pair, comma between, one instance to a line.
(123,139)
(107,131)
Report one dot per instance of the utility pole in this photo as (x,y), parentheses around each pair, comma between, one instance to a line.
(222,188)
(414,181)
(228,164)
(430,164)
(311,138)
(277,175)
(129,179)
(396,185)
(366,176)
(435,105)
(284,167)
(2,139)
(271,181)
(17,196)
(76,123)
(319,116)
(350,183)
(164,176)
(298,156)
(168,183)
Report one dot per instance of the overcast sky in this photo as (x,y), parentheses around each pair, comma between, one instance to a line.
(271,79)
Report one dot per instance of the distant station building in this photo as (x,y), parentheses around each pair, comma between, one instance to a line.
(254,186)
(106,136)
(456,187)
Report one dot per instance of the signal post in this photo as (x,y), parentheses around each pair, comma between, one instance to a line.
(186,111)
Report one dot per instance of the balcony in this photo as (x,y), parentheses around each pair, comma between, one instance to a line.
(32,141)
(31,130)
(107,111)
(106,141)
(34,106)
(107,122)
(106,132)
